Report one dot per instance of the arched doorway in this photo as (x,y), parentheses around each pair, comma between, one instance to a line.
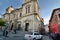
(11,27)
(19,27)
(26,26)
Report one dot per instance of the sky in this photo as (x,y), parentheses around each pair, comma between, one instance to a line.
(46,7)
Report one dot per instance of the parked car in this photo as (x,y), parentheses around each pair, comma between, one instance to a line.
(33,36)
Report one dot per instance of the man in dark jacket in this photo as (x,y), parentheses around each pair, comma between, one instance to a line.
(6,33)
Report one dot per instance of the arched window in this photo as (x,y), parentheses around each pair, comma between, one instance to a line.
(20,14)
(59,16)
(27,9)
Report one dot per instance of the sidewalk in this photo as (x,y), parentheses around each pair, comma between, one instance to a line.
(46,38)
(11,36)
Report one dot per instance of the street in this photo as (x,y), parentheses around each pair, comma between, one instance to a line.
(18,36)
(11,36)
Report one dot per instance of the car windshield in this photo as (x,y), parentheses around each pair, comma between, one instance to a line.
(36,33)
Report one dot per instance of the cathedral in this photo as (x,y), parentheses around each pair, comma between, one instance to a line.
(26,18)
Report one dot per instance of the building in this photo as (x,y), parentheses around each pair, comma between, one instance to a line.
(26,18)
(54,22)
(47,28)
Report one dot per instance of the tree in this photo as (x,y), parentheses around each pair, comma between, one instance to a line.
(2,23)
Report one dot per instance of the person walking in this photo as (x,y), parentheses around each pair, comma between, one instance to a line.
(3,32)
(15,30)
(6,33)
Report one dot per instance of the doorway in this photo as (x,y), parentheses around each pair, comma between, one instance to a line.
(11,27)
(19,27)
(59,28)
(26,26)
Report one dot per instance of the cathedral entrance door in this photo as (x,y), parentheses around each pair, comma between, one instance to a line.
(26,26)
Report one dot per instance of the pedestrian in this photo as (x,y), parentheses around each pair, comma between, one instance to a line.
(6,33)
(3,32)
(57,36)
(15,31)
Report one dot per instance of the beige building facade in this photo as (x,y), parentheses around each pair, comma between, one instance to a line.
(26,18)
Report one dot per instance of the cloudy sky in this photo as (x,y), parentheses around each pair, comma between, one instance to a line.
(46,7)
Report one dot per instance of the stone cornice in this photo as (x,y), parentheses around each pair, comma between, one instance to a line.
(38,16)
(29,15)
(28,2)
(26,15)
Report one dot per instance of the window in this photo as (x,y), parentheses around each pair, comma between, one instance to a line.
(36,33)
(55,17)
(59,16)
(20,14)
(28,10)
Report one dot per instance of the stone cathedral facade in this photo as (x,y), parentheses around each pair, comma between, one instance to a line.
(26,18)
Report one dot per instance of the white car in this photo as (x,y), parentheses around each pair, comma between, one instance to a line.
(33,36)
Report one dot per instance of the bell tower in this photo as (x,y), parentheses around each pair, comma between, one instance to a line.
(34,4)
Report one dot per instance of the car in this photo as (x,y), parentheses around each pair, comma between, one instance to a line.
(33,36)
